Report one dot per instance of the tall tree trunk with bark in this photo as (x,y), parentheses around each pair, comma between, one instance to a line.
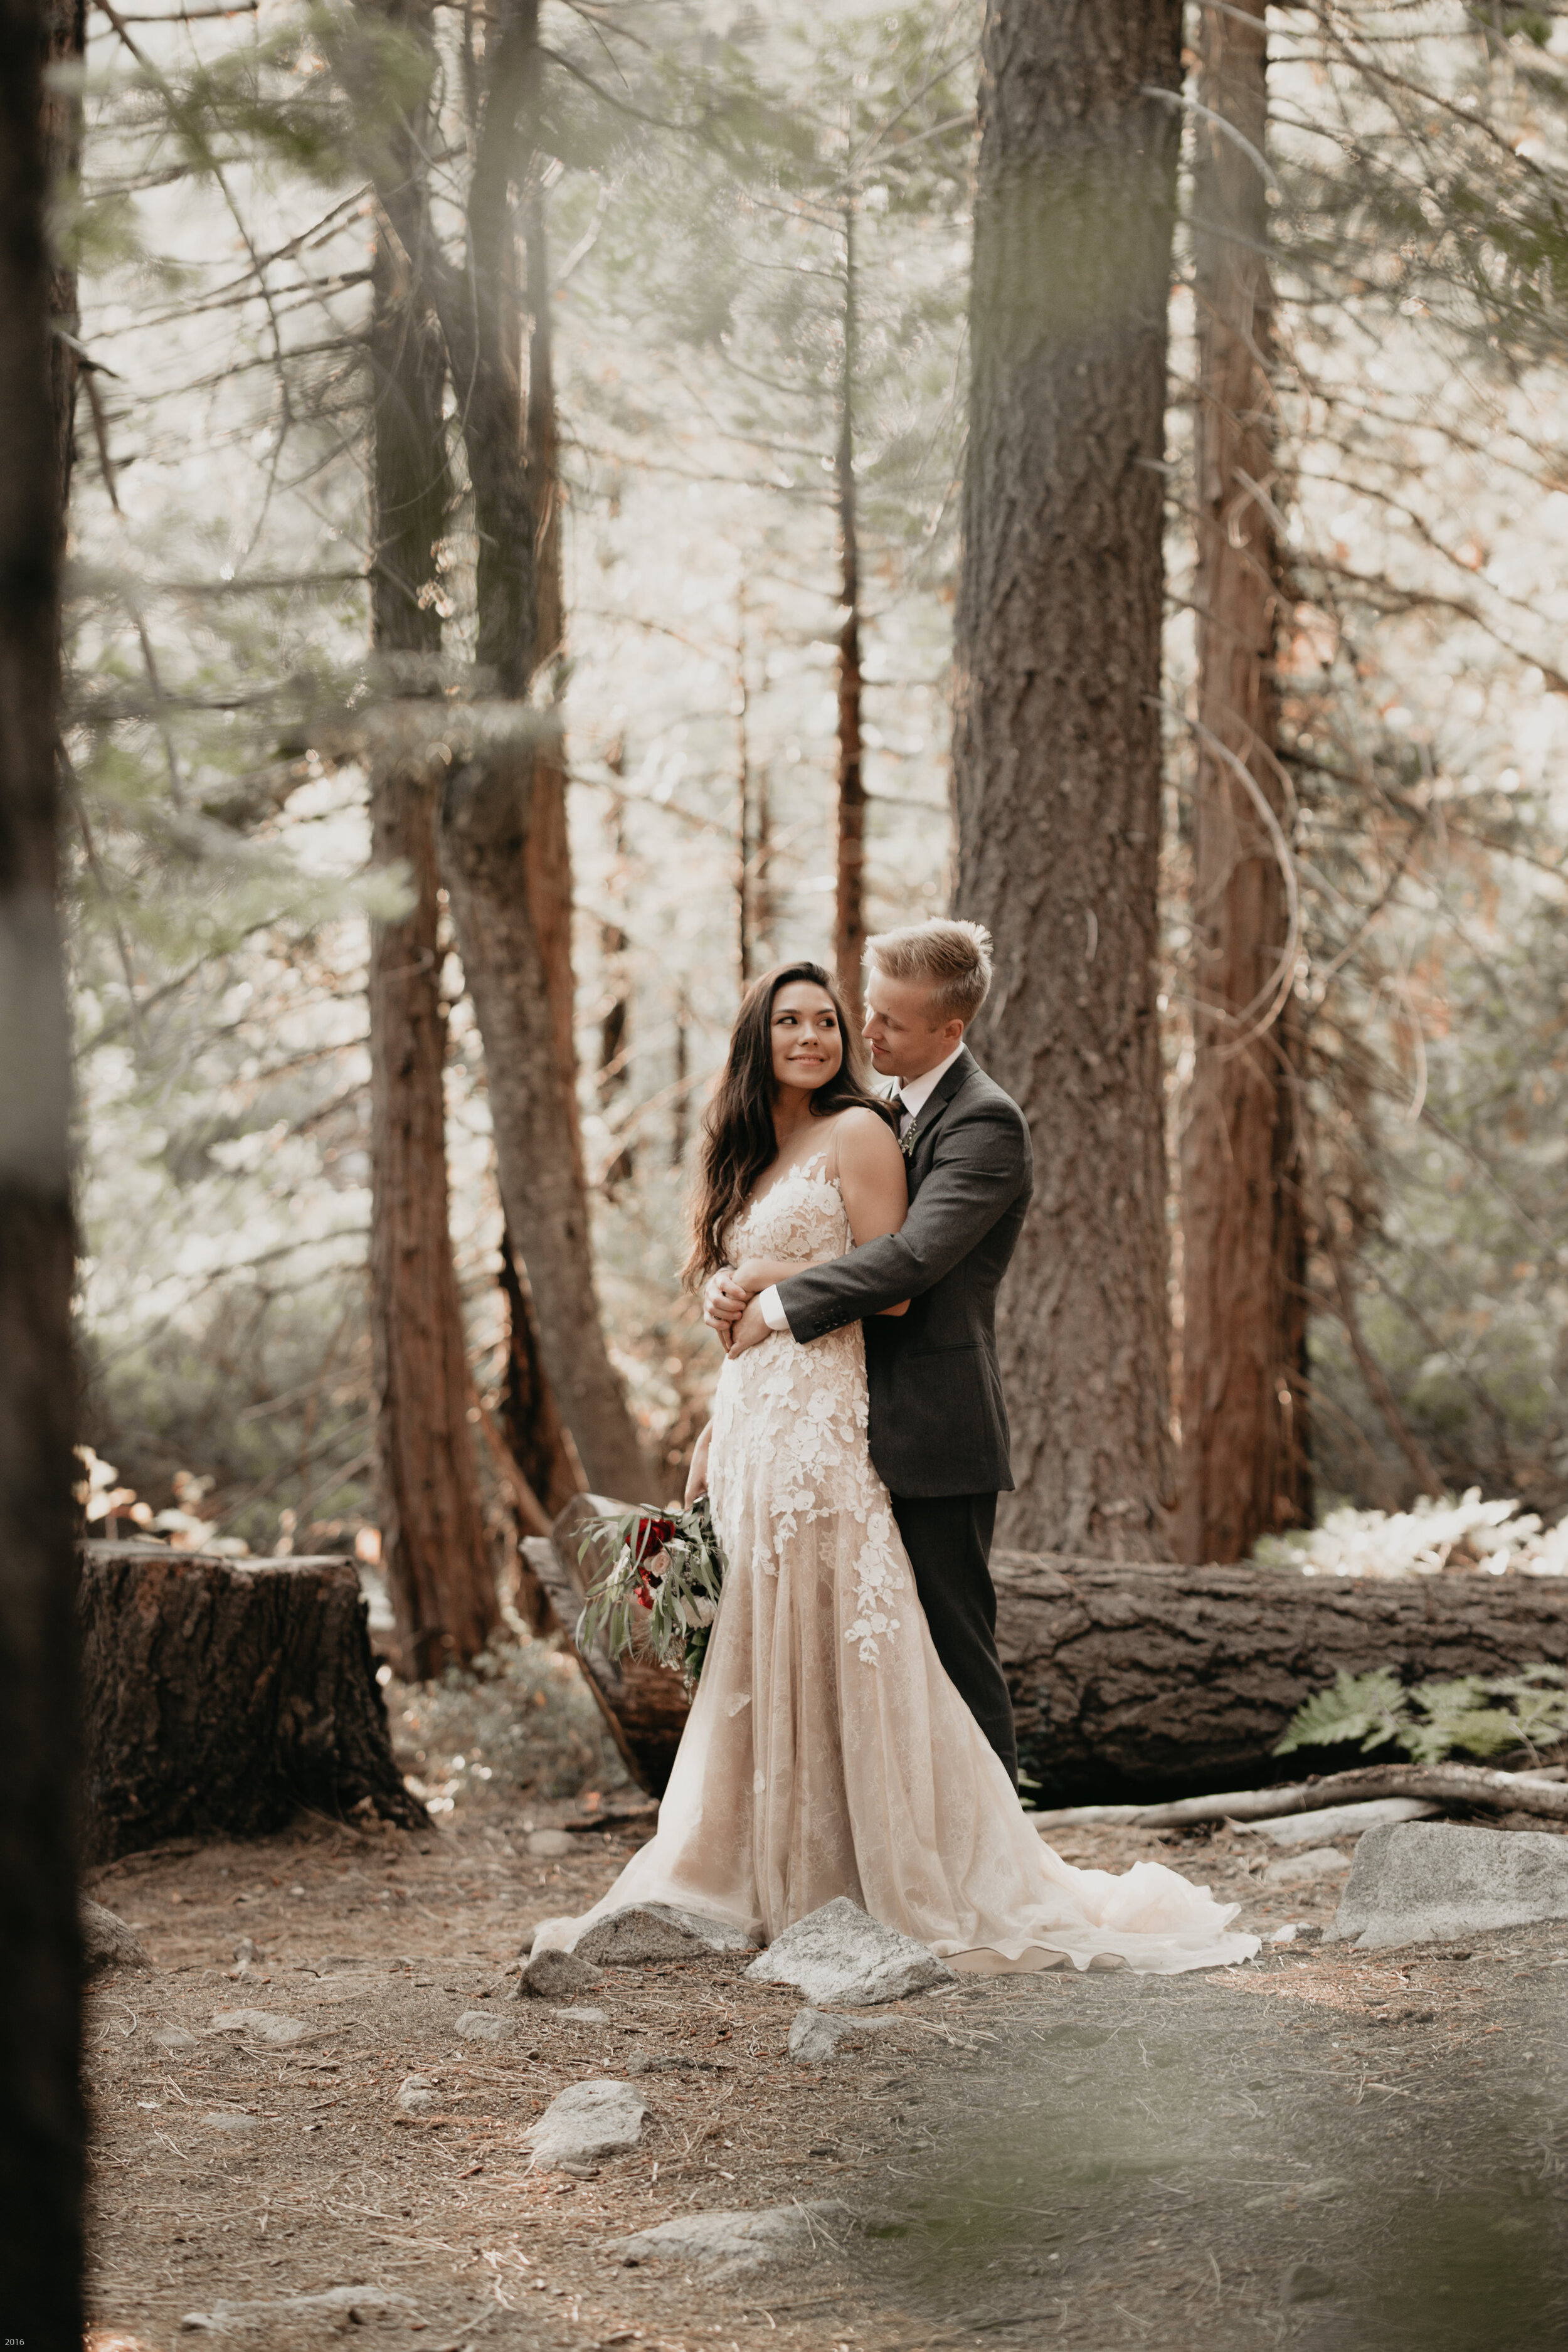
(849,932)
(493,792)
(1057,745)
(437,1563)
(1244,1469)
(41,2123)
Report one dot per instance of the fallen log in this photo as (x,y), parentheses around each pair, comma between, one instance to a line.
(1149,1683)
(1443,1784)
(218,1695)
(1145,1682)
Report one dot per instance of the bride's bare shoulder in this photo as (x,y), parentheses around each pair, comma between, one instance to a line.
(863,1139)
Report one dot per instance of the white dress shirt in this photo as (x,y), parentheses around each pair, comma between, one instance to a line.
(911,1097)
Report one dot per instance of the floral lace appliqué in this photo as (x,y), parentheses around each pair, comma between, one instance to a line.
(790,1421)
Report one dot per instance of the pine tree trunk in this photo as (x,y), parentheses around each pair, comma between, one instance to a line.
(539,1441)
(41,2128)
(434,1549)
(508,937)
(1057,745)
(219,1696)
(849,936)
(1244,1467)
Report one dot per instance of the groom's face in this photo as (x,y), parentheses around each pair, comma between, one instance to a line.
(906,1041)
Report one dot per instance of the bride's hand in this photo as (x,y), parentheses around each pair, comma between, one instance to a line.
(723,1300)
(697,1476)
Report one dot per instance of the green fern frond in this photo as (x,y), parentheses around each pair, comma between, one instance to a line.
(1373,1709)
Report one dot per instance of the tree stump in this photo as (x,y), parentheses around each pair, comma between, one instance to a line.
(219,1694)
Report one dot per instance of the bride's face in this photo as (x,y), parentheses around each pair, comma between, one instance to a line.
(809,1048)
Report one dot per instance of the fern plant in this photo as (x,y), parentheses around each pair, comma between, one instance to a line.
(1477,1715)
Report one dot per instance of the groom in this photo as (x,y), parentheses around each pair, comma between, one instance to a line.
(939,1425)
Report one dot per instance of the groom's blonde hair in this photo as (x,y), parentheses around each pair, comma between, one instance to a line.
(953,959)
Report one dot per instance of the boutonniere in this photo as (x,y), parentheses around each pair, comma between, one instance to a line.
(907,1141)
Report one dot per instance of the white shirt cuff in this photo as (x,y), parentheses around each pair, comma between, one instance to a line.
(773,1315)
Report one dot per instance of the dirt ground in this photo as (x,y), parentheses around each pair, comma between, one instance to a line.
(1319,2150)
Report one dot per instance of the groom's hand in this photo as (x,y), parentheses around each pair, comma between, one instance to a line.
(750,1330)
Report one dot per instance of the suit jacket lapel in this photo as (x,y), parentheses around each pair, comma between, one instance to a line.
(931,1111)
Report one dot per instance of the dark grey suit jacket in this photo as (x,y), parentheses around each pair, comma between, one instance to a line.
(939,1425)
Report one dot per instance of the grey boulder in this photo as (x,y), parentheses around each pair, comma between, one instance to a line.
(657,1931)
(261,2025)
(584,2121)
(735,2241)
(841,1954)
(556,1976)
(1427,1882)
(814,2036)
(484,2025)
(106,1941)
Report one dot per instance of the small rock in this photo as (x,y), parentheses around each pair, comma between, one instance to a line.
(1310,2192)
(734,2242)
(261,2025)
(351,2300)
(224,2120)
(816,2037)
(583,2016)
(173,2037)
(548,1845)
(484,2025)
(1304,2283)
(556,1976)
(584,2121)
(1431,1882)
(657,1931)
(1317,1862)
(106,1941)
(418,2095)
(841,1954)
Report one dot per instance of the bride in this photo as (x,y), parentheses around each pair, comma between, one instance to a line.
(826,1752)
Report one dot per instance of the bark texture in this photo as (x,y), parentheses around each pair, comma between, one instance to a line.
(485,827)
(439,1572)
(538,1440)
(849,931)
(1128,1681)
(505,881)
(41,2123)
(643,1704)
(1140,1682)
(1245,1470)
(1056,742)
(219,1694)
(434,1544)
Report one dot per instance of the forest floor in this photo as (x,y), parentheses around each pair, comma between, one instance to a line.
(1323,2151)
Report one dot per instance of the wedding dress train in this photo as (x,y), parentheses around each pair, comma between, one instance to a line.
(827,1753)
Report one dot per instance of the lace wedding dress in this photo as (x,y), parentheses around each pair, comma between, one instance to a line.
(826,1752)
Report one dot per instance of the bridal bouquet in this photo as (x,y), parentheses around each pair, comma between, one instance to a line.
(661,1592)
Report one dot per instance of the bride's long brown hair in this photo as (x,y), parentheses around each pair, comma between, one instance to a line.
(738,1136)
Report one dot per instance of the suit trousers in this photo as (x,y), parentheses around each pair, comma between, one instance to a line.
(948,1539)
